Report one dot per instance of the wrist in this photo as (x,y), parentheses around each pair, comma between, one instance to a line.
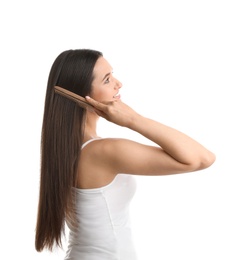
(135,122)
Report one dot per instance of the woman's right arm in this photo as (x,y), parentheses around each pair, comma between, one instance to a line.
(176,152)
(178,145)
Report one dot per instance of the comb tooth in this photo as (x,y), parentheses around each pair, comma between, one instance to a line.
(72,96)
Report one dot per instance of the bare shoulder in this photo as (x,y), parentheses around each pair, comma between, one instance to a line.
(114,148)
(102,159)
(118,155)
(96,165)
(107,149)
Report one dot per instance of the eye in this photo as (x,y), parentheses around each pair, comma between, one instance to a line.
(107,80)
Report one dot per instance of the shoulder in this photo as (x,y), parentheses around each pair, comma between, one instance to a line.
(109,150)
(116,155)
(106,146)
(99,162)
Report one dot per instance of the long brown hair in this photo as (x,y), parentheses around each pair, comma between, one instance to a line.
(61,140)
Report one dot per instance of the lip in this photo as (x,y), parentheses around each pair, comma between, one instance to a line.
(117,96)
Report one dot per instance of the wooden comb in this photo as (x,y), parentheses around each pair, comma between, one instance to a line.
(81,101)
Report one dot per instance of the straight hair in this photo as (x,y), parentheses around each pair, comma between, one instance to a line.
(61,141)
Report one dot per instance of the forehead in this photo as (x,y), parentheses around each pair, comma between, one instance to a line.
(102,67)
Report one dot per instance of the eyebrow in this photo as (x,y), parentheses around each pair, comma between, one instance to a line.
(106,75)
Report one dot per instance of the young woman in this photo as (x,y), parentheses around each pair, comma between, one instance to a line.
(88,181)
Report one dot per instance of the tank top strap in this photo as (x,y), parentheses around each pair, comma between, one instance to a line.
(89,141)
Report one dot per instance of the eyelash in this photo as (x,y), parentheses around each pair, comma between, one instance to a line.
(107,80)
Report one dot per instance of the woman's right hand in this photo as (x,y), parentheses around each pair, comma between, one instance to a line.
(116,111)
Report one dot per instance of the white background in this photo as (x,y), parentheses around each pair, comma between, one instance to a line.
(177,61)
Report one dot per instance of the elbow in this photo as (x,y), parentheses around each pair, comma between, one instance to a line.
(209,160)
(202,162)
(206,161)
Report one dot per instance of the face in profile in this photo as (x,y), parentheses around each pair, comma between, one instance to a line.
(105,87)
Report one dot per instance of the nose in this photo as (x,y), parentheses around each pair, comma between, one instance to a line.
(118,84)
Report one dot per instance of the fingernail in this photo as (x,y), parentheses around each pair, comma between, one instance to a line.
(87,97)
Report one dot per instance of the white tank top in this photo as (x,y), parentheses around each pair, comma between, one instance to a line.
(103,226)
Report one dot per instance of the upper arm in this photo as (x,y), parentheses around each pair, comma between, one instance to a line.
(129,157)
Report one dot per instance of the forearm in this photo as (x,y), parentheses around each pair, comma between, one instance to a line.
(179,146)
(175,143)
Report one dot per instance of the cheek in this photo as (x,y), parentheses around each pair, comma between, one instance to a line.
(100,94)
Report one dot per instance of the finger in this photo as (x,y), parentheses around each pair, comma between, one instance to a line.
(95,104)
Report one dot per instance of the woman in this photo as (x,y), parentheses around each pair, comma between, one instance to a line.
(88,181)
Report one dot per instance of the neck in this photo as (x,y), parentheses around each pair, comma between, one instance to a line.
(90,126)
